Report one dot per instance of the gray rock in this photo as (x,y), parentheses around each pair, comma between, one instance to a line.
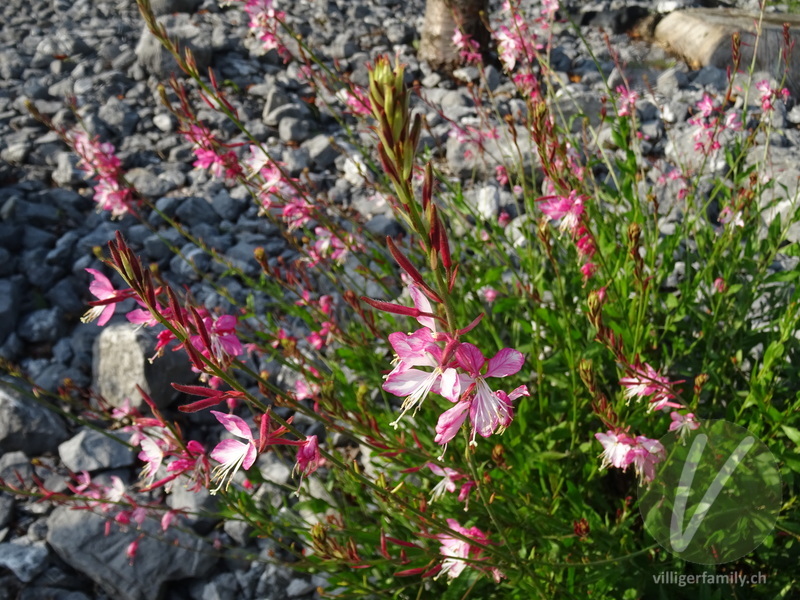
(400,33)
(121,362)
(484,201)
(42,215)
(712,77)
(51,593)
(199,507)
(91,450)
(292,129)
(78,537)
(119,116)
(672,80)
(157,245)
(43,325)
(153,57)
(227,206)
(147,183)
(34,238)
(8,265)
(275,98)
(15,466)
(793,116)
(299,587)
(239,531)
(296,160)
(164,122)
(241,257)
(321,151)
(25,559)
(191,264)
(194,210)
(221,587)
(167,7)
(42,275)
(10,294)
(343,46)
(27,426)
(381,225)
(296,110)
(6,509)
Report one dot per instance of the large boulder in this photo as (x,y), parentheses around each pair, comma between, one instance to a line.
(79,538)
(27,426)
(122,354)
(155,59)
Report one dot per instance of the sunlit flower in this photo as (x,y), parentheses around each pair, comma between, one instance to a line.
(232,454)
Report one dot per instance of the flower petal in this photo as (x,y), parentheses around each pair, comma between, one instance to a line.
(101,287)
(407,382)
(470,358)
(249,457)
(450,385)
(488,411)
(450,422)
(234,424)
(506,362)
(229,452)
(422,303)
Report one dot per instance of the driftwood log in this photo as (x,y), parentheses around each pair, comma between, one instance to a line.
(703,36)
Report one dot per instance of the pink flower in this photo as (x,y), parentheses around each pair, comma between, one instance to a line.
(616,447)
(167,519)
(733,122)
(644,456)
(415,384)
(719,285)
(620,451)
(489,411)
(131,550)
(568,209)
(257,160)
(450,421)
(501,175)
(467,46)
(358,102)
(152,455)
(455,550)
(627,101)
(232,454)
(489,294)
(107,297)
(646,381)
(308,456)
(447,484)
(706,106)
(683,424)
(728,215)
(224,344)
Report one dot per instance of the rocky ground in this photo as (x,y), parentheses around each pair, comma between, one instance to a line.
(97,53)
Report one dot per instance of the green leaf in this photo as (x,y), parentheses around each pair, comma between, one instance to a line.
(792,433)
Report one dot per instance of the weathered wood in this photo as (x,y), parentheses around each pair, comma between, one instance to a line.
(441,19)
(702,37)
